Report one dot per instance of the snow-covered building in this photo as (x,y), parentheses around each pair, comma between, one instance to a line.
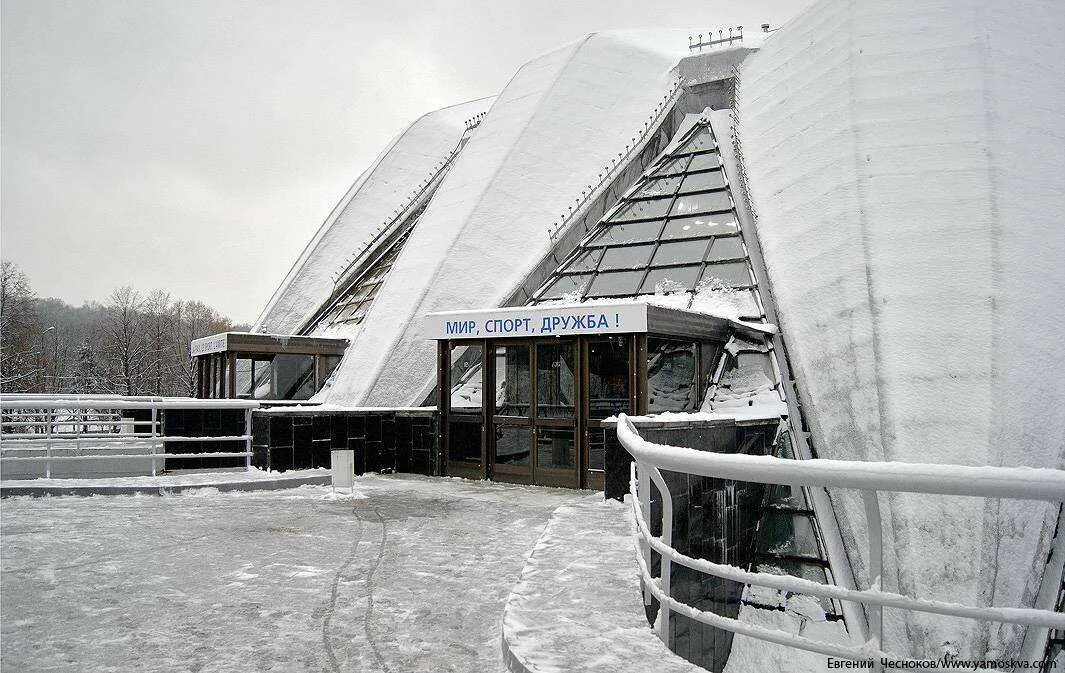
(839,239)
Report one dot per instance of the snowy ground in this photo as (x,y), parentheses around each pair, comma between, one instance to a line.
(411,577)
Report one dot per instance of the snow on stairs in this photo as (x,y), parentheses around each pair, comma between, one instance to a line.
(577,605)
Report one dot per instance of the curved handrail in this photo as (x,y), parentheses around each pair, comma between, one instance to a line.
(869,477)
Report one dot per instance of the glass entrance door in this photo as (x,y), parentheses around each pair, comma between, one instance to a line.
(534,419)
(610,386)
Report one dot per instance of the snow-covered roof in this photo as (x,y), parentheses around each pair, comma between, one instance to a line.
(555,124)
(397,172)
(904,160)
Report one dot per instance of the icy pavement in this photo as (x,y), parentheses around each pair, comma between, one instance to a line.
(412,576)
(578,605)
(223,480)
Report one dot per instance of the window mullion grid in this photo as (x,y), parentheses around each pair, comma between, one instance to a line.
(661,230)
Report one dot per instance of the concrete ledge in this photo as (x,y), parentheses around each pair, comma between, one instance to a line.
(164,485)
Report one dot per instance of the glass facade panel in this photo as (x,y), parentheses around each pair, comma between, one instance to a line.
(327,364)
(659,187)
(701,182)
(671,279)
(513,380)
(672,376)
(466,383)
(608,377)
(702,140)
(293,377)
(564,285)
(626,257)
(733,273)
(513,444)
(555,448)
(681,252)
(262,380)
(788,534)
(637,232)
(615,283)
(464,441)
(714,224)
(671,167)
(701,203)
(730,247)
(555,385)
(243,382)
(647,209)
(586,261)
(702,162)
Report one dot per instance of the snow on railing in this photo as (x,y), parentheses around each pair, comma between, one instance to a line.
(694,44)
(617,164)
(869,478)
(73,424)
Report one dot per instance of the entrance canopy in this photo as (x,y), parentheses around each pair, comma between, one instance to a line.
(524,391)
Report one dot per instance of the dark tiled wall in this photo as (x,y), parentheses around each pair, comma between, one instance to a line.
(713,519)
(202,423)
(383,441)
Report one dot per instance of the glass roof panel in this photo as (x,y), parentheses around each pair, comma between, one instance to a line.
(731,273)
(701,203)
(566,285)
(730,247)
(615,283)
(659,187)
(700,225)
(681,252)
(627,257)
(637,232)
(642,210)
(788,534)
(678,278)
(671,167)
(585,261)
(701,182)
(702,140)
(704,161)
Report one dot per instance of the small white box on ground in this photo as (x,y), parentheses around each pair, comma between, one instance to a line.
(342,462)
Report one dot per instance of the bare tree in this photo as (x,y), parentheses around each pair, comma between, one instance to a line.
(20,351)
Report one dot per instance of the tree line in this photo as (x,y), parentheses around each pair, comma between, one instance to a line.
(133,344)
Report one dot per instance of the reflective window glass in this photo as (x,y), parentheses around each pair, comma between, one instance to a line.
(555,448)
(671,166)
(659,187)
(615,283)
(646,209)
(671,376)
(564,285)
(700,225)
(513,380)
(727,248)
(701,203)
(637,232)
(702,140)
(703,161)
(608,377)
(243,378)
(466,377)
(513,445)
(293,377)
(788,534)
(670,279)
(585,261)
(555,385)
(700,182)
(681,252)
(262,380)
(732,273)
(464,440)
(626,257)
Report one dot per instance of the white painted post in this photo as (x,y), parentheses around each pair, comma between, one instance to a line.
(643,490)
(875,532)
(151,442)
(247,442)
(48,446)
(342,465)
(666,563)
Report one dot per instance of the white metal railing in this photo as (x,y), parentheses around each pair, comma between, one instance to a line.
(869,478)
(56,428)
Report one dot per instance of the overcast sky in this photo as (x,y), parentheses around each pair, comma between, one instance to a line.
(196,146)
